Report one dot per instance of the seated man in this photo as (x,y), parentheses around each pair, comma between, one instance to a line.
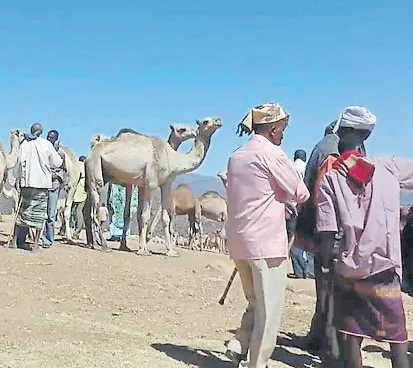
(360,199)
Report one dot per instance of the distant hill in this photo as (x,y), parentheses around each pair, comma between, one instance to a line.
(201,183)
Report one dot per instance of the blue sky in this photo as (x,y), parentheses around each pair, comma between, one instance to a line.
(87,67)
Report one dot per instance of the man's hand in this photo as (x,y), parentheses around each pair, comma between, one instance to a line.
(291,208)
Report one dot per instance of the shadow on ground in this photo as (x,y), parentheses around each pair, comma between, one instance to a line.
(191,356)
(215,359)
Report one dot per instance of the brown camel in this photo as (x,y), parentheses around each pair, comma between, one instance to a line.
(183,203)
(147,162)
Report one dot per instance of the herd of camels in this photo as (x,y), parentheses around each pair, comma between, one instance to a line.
(136,160)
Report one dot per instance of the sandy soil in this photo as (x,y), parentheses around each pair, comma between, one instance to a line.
(75,307)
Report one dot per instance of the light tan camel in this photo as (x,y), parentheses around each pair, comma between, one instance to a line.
(183,203)
(179,133)
(147,162)
(7,164)
(213,207)
(73,169)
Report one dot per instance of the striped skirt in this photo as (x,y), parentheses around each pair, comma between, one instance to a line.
(33,208)
(372,308)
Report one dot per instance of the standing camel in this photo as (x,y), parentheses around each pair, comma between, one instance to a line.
(73,169)
(7,164)
(179,133)
(183,203)
(147,162)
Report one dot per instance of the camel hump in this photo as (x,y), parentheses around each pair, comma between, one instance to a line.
(127,130)
(211,193)
(183,186)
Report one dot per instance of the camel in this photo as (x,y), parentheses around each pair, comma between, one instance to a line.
(213,207)
(183,203)
(216,240)
(73,169)
(179,133)
(147,162)
(7,163)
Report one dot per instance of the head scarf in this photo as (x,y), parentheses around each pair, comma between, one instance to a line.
(262,114)
(356,117)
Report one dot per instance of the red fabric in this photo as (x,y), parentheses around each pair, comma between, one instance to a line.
(356,167)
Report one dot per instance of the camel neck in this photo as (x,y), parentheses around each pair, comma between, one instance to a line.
(174,142)
(184,163)
(14,152)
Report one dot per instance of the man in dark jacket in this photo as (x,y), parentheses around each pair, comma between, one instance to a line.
(59,180)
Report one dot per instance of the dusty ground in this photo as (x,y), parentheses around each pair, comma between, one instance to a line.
(74,307)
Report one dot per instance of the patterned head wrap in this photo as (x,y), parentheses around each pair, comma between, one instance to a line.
(262,114)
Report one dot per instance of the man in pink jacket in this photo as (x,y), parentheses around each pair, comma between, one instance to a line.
(261,179)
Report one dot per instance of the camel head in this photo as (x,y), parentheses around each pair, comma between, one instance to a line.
(16,137)
(98,138)
(222,175)
(208,126)
(182,132)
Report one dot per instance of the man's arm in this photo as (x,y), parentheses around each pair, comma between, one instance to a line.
(286,182)
(311,169)
(55,159)
(403,169)
(327,224)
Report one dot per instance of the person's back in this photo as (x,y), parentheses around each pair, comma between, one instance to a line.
(37,158)
(358,202)
(300,158)
(261,179)
(371,209)
(255,198)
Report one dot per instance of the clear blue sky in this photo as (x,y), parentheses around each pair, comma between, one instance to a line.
(86,67)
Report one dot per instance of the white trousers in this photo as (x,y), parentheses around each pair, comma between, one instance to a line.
(263,282)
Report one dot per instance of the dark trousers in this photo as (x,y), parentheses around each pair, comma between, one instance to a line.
(322,332)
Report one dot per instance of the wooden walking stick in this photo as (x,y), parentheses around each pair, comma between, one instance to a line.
(230,281)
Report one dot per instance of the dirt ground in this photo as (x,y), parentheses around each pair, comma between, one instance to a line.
(74,307)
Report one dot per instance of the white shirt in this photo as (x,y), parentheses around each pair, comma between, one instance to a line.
(300,167)
(36,158)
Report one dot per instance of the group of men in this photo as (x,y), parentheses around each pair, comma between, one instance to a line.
(41,174)
(348,217)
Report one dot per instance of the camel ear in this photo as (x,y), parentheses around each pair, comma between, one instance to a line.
(198,122)
(172,127)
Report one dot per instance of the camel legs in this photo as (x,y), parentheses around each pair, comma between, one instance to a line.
(145,216)
(166,199)
(126,218)
(66,215)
